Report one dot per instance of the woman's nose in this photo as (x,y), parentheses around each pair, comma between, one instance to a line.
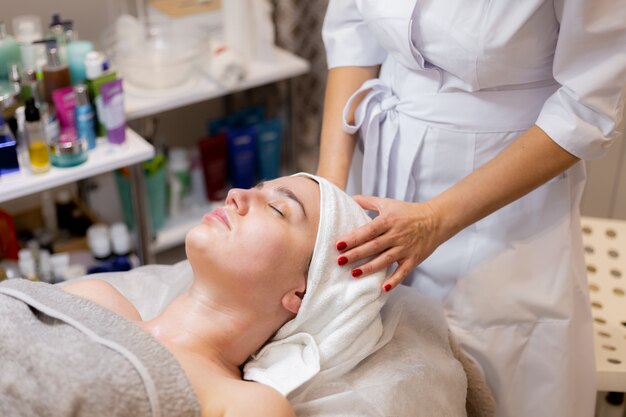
(240,199)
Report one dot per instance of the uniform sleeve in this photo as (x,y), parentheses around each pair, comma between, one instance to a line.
(347,38)
(590,66)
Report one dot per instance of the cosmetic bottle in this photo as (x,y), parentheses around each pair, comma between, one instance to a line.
(55,74)
(120,243)
(26,265)
(9,52)
(268,147)
(20,137)
(57,31)
(242,157)
(9,162)
(178,167)
(27,29)
(64,105)
(95,63)
(76,53)
(37,146)
(84,116)
(213,156)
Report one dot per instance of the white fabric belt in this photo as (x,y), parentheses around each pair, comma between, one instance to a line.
(482,111)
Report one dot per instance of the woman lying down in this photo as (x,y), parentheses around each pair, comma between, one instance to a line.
(264,270)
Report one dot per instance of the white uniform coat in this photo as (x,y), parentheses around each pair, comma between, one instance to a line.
(460,80)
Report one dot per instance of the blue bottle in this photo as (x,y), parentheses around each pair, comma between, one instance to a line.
(268,148)
(8,150)
(84,117)
(242,157)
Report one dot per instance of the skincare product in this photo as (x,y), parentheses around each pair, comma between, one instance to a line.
(84,116)
(20,137)
(68,150)
(120,242)
(37,147)
(64,104)
(55,74)
(241,157)
(9,162)
(76,53)
(96,86)
(268,147)
(27,29)
(9,52)
(179,179)
(213,155)
(57,31)
(115,119)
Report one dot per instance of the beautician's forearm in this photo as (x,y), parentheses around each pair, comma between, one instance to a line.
(337,146)
(530,161)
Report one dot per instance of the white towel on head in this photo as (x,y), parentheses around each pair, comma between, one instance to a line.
(339,321)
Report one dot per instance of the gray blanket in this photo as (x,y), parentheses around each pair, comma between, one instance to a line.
(61,355)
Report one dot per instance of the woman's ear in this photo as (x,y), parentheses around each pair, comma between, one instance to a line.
(292,301)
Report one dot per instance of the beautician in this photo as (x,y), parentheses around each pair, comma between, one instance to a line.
(464,124)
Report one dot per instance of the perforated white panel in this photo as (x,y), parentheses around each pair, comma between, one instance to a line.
(605,255)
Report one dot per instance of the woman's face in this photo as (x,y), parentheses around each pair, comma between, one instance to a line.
(260,243)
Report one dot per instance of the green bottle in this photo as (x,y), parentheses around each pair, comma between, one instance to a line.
(9,52)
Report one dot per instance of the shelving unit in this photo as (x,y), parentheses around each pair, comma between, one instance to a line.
(103,158)
(140,103)
(144,103)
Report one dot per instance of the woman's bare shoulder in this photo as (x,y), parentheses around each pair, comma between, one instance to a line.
(253,399)
(104,294)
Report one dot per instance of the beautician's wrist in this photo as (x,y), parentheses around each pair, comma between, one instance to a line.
(446,216)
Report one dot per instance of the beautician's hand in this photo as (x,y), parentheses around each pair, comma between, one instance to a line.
(406,233)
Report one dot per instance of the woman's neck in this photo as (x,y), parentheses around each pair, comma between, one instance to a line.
(197,323)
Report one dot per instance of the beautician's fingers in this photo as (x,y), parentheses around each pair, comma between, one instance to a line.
(367,232)
(403,270)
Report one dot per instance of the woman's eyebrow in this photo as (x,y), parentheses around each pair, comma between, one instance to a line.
(285,192)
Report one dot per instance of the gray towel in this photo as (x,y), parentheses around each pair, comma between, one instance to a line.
(62,355)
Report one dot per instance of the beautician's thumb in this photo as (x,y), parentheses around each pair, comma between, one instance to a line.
(368,202)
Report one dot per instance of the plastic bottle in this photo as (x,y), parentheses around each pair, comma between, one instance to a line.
(27,29)
(55,74)
(99,242)
(179,180)
(120,241)
(37,146)
(84,116)
(26,264)
(9,52)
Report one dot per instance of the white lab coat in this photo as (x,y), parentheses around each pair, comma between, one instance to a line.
(460,80)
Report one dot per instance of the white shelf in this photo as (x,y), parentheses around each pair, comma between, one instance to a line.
(173,232)
(104,158)
(141,103)
(605,255)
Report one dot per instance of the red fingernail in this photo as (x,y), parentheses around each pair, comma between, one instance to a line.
(342,260)
(387,287)
(342,245)
(357,272)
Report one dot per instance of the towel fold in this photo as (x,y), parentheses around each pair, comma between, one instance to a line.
(339,322)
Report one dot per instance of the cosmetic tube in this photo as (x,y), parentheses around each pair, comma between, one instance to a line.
(268,148)
(115,119)
(64,104)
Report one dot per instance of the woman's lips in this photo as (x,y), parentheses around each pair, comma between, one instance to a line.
(218,214)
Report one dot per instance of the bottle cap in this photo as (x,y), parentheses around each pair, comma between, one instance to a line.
(120,239)
(31,112)
(98,240)
(80,92)
(93,64)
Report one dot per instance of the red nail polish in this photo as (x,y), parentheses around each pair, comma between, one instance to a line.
(342,245)
(342,260)
(387,287)
(357,272)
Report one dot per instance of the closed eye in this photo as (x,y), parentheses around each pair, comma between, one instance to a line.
(276,210)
